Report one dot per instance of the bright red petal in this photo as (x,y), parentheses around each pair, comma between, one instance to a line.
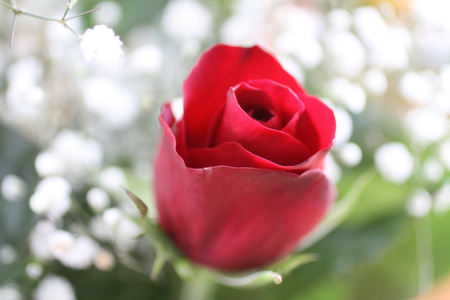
(235,218)
(218,69)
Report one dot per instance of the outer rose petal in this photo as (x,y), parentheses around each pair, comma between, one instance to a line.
(218,69)
(235,218)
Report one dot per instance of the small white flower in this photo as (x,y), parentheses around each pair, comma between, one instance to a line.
(394,162)
(419,205)
(426,125)
(332,169)
(73,252)
(416,88)
(110,13)
(349,154)
(346,55)
(442,199)
(13,188)
(54,288)
(100,44)
(40,239)
(112,179)
(52,197)
(34,270)
(344,126)
(10,292)
(124,231)
(98,199)
(7,254)
(70,154)
(104,260)
(375,82)
(433,170)
(351,95)
(147,59)
(114,106)
(186,19)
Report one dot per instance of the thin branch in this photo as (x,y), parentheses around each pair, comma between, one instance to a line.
(65,13)
(30,14)
(83,13)
(7,5)
(18,10)
(73,31)
(13,29)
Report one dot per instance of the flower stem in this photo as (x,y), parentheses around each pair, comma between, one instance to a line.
(83,13)
(201,287)
(424,246)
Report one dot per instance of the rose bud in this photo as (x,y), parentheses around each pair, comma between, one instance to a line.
(239,178)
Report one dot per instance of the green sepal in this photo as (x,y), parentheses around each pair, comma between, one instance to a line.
(249,281)
(143,209)
(291,262)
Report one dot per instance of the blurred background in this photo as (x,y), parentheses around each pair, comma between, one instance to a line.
(72,132)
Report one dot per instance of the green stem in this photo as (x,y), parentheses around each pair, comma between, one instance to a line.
(13,29)
(65,13)
(83,13)
(424,246)
(7,5)
(73,31)
(201,287)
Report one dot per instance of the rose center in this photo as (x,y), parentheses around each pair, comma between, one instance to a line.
(260,114)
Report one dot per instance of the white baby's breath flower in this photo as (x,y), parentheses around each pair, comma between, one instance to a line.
(100,44)
(54,287)
(52,197)
(332,169)
(349,154)
(344,126)
(34,270)
(13,188)
(73,252)
(98,199)
(186,19)
(40,239)
(10,292)
(70,154)
(419,204)
(442,199)
(7,254)
(394,162)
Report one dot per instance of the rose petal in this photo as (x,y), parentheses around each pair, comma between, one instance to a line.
(234,155)
(274,145)
(218,69)
(235,218)
(316,127)
(286,103)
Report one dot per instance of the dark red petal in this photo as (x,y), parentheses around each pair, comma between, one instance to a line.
(286,102)
(235,218)
(218,69)
(274,145)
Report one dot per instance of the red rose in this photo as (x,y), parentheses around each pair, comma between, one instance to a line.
(239,180)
